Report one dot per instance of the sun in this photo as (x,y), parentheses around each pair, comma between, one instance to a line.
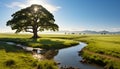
(45,4)
(35,1)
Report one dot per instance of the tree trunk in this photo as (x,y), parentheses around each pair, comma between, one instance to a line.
(35,27)
(35,35)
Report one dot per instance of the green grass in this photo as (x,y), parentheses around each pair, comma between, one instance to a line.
(12,57)
(109,45)
(44,42)
(101,49)
(104,49)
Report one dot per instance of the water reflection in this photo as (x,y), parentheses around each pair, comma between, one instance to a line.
(66,57)
(69,57)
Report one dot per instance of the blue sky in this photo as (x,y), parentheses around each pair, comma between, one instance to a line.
(72,15)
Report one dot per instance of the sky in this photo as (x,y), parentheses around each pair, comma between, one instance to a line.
(70,15)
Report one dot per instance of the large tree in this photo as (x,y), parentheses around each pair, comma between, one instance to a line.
(33,19)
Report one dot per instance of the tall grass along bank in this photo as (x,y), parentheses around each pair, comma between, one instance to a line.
(103,50)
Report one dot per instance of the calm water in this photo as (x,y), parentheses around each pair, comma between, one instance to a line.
(66,57)
(70,57)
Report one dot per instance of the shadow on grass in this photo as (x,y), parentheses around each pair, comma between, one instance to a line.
(45,43)
(49,44)
(10,48)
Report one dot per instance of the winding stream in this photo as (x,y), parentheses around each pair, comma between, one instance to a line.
(69,57)
(66,57)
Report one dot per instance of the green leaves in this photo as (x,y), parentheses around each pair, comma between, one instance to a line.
(35,17)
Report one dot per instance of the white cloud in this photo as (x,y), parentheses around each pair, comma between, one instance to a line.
(16,4)
(50,7)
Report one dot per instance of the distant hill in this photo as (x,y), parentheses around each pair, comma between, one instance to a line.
(89,32)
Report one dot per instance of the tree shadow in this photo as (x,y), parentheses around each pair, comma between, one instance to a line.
(45,43)
(10,48)
(52,44)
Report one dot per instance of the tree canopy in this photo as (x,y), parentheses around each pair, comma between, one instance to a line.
(33,19)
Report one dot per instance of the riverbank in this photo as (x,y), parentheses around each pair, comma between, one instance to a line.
(13,56)
(102,50)
(16,58)
(69,58)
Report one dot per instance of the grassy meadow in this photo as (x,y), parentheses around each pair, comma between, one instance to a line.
(101,49)
(43,42)
(12,57)
(104,50)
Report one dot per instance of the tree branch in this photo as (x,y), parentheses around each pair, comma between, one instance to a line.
(29,31)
